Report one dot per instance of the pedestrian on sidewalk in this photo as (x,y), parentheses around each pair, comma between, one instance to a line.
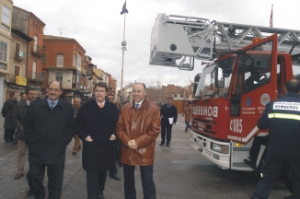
(7,112)
(168,114)
(48,127)
(113,172)
(187,113)
(77,142)
(96,123)
(137,129)
(23,96)
(18,116)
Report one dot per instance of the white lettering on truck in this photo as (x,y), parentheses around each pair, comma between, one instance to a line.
(236,125)
(210,111)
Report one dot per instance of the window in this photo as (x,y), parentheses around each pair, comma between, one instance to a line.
(60,60)
(34,70)
(59,77)
(17,71)
(77,61)
(5,19)
(3,55)
(18,47)
(35,38)
(257,71)
(43,75)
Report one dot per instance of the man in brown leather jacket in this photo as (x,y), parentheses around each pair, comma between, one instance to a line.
(137,129)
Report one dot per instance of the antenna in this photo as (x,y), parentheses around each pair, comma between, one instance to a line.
(60,29)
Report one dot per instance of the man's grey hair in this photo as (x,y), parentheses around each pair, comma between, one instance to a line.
(141,84)
(77,98)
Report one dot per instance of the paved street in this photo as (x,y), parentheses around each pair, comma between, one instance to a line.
(179,173)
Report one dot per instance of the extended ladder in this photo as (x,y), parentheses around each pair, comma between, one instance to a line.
(176,38)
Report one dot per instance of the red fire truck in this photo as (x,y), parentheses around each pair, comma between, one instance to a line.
(250,70)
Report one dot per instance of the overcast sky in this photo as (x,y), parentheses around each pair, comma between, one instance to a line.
(98,26)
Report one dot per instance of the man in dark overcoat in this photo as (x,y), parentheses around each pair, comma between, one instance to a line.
(96,121)
(48,127)
(7,112)
(168,114)
(19,113)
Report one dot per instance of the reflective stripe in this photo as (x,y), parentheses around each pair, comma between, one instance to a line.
(284,116)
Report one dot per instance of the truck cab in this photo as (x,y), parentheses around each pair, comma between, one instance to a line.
(231,96)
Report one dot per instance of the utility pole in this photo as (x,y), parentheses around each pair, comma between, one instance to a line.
(123,44)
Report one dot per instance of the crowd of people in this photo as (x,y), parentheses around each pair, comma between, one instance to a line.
(110,135)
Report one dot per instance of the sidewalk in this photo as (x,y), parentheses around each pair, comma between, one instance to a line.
(15,189)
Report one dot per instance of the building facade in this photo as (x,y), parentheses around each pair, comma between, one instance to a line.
(16,81)
(5,40)
(63,63)
(31,25)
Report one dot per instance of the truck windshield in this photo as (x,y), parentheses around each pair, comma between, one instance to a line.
(222,72)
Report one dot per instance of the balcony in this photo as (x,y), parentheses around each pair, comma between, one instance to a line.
(38,50)
(83,71)
(19,56)
(34,77)
(17,80)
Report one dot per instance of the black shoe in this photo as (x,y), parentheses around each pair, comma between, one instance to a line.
(115,177)
(161,144)
(253,197)
(28,193)
(14,142)
(101,195)
(168,144)
(250,163)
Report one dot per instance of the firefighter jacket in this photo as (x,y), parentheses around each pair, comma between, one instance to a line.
(282,117)
(142,125)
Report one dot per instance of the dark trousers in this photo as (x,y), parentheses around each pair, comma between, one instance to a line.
(187,127)
(272,169)
(254,150)
(9,134)
(114,171)
(165,128)
(35,177)
(95,184)
(149,189)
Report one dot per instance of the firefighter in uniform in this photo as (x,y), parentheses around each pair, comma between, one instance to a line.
(282,118)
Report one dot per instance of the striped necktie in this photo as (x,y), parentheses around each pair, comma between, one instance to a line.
(137,106)
(52,105)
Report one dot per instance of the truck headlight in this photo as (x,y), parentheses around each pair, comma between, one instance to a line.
(219,148)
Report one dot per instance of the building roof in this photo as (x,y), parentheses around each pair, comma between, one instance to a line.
(29,13)
(21,34)
(58,38)
(51,37)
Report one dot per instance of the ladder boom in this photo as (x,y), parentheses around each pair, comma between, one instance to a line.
(175,36)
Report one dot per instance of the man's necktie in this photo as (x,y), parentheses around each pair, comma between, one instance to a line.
(52,105)
(100,105)
(137,106)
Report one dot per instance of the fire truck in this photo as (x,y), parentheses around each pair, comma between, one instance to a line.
(246,67)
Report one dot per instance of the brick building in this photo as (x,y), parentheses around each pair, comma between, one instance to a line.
(179,95)
(29,24)
(64,62)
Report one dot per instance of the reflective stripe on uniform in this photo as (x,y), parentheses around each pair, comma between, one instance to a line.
(284,116)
